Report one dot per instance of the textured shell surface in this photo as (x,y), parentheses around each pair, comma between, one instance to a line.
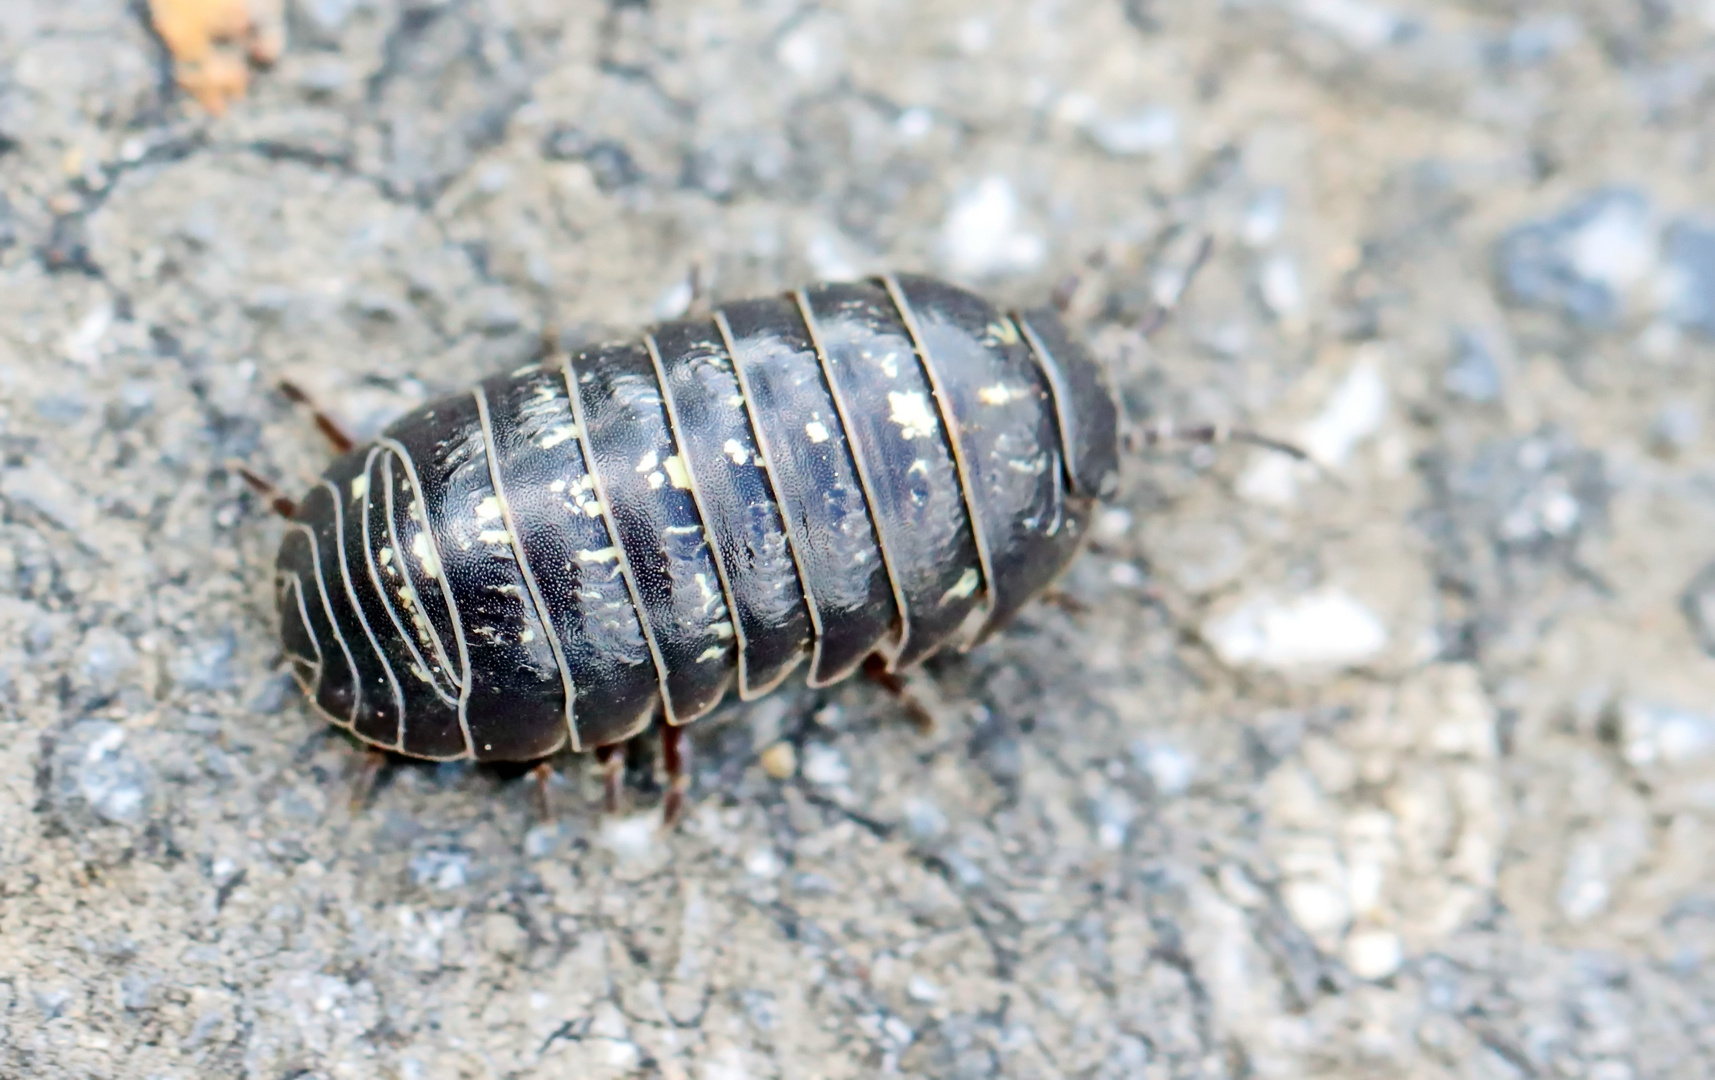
(561,554)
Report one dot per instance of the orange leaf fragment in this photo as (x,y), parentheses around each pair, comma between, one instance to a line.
(210,41)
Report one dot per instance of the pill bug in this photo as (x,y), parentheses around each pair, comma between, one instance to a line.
(854,474)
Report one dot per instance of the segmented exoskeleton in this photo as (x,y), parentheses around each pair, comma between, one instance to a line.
(563,553)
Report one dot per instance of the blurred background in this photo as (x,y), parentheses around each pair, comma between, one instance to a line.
(1399,765)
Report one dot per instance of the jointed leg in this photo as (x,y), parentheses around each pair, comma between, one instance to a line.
(543,774)
(612,761)
(329,427)
(922,716)
(281,505)
(1165,432)
(364,782)
(678,780)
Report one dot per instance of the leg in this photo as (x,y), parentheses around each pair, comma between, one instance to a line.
(698,305)
(1167,299)
(1067,291)
(335,434)
(612,762)
(1165,432)
(364,782)
(543,775)
(922,717)
(283,506)
(678,780)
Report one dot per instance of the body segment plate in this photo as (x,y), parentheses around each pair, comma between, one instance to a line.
(815,482)
(998,405)
(904,460)
(513,699)
(571,556)
(713,429)
(645,491)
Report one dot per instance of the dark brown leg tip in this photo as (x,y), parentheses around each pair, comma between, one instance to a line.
(363,784)
(543,775)
(612,775)
(922,717)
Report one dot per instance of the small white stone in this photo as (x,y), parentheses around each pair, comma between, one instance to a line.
(1353,413)
(913,124)
(763,863)
(1148,131)
(1111,524)
(1374,954)
(1264,218)
(1323,629)
(1656,734)
(630,838)
(1282,287)
(1359,25)
(982,235)
(1317,906)
(921,989)
(1170,768)
(824,765)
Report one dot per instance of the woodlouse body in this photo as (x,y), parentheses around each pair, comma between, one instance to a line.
(566,551)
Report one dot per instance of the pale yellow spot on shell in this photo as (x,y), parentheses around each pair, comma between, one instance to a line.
(713,652)
(386,556)
(558,435)
(911,413)
(1004,332)
(592,509)
(359,487)
(656,479)
(732,449)
(999,394)
(817,433)
(557,486)
(677,472)
(965,586)
(722,630)
(527,636)
(488,509)
(494,536)
(649,461)
(425,555)
(606,554)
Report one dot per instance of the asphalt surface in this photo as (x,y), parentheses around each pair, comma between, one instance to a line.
(1398,764)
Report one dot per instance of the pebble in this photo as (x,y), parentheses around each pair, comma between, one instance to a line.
(1582,261)
(1373,954)
(1324,629)
(780,761)
(982,236)
(1689,287)
(1473,373)
(1264,217)
(206,665)
(1535,40)
(1364,27)
(1281,287)
(1170,769)
(825,765)
(94,767)
(441,868)
(104,657)
(924,820)
(1138,134)
(1655,734)
(1353,413)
